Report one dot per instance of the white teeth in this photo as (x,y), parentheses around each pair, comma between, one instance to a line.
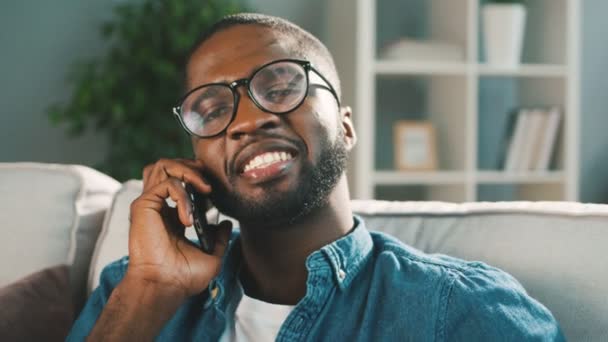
(266,159)
(258,161)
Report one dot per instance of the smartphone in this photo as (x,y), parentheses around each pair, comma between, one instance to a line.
(205,233)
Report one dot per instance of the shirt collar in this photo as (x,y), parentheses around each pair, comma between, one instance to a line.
(344,258)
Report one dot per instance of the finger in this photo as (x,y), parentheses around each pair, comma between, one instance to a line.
(171,219)
(146,175)
(158,173)
(187,171)
(224,229)
(155,198)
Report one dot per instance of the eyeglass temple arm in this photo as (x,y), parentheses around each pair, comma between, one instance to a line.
(329,86)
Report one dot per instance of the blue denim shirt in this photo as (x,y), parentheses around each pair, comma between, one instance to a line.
(366,286)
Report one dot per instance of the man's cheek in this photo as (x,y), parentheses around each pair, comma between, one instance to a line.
(324,120)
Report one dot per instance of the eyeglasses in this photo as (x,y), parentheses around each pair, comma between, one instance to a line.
(278,87)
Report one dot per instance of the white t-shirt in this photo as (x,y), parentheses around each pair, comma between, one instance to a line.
(255,320)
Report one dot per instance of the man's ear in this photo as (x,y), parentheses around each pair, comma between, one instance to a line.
(350,136)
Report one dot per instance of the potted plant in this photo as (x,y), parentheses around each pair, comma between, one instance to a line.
(128,93)
(503,27)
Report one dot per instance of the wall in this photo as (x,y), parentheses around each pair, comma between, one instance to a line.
(39,40)
(594,102)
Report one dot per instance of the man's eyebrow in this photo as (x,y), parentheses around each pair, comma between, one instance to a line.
(227,81)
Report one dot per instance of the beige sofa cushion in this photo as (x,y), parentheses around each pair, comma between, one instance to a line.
(51,215)
(113,241)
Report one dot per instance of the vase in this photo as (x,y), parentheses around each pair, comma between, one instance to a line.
(503,28)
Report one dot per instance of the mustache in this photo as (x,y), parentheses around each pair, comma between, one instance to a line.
(231,165)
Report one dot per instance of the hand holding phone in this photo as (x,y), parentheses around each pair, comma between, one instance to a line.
(162,260)
(159,251)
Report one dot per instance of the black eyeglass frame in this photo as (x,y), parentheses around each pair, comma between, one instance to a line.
(306,65)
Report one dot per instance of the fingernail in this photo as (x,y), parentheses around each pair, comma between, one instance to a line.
(191,218)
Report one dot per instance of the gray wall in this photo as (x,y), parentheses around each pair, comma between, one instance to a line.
(40,39)
(594,102)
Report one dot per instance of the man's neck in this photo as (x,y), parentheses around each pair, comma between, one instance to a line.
(274,268)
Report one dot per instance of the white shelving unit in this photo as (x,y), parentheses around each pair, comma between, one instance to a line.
(450,96)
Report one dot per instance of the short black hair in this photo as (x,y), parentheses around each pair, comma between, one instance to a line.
(303,44)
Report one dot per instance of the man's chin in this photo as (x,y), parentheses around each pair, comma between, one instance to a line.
(268,209)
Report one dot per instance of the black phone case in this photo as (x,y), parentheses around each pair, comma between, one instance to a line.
(206,234)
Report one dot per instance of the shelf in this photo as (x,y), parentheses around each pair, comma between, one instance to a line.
(383,67)
(419,68)
(418,177)
(468,100)
(524,70)
(530,177)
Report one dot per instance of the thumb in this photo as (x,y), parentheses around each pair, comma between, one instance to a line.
(224,230)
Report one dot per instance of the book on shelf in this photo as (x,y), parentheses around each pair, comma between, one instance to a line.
(537,140)
(534,133)
(505,145)
(549,140)
(517,139)
(530,139)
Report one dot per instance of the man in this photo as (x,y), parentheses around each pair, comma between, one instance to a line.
(270,140)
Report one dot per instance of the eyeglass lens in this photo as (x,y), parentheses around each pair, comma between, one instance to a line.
(277,88)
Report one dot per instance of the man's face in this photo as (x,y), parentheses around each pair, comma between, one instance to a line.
(311,142)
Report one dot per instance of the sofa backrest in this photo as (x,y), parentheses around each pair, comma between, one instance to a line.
(51,215)
(556,250)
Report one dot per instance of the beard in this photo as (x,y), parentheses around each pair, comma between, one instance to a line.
(274,209)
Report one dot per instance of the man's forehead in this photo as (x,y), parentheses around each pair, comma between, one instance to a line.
(235,53)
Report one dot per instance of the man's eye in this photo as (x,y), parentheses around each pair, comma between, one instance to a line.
(216,113)
(274,95)
(278,94)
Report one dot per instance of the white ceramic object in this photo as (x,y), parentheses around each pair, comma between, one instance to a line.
(504,26)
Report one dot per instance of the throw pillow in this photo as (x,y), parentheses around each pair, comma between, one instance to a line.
(37,307)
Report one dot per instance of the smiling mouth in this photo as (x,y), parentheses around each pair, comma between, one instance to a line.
(268,166)
(267,159)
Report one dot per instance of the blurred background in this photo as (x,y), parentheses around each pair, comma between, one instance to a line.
(455,100)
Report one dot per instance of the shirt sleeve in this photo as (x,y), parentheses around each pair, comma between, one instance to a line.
(486,304)
(111,275)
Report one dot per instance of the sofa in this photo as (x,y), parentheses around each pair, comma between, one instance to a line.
(63,223)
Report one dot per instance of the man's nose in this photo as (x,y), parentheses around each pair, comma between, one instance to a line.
(249,119)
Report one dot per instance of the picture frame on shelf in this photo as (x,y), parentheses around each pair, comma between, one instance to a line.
(415,145)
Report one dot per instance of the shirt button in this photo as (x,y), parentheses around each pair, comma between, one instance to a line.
(214,292)
(341,274)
